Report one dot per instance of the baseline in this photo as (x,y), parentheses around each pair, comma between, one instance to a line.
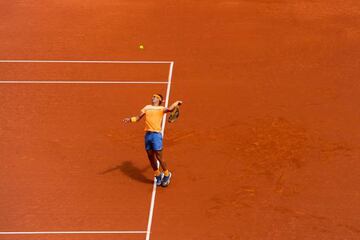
(85,61)
(72,232)
(78,82)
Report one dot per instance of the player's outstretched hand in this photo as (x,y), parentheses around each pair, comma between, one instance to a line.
(126,120)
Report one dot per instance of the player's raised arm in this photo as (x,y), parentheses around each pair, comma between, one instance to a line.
(134,119)
(173,106)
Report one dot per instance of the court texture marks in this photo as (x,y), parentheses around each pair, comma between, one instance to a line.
(266,146)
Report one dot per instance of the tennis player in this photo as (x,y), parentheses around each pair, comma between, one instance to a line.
(153,137)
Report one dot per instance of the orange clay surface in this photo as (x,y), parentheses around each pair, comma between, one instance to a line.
(267,145)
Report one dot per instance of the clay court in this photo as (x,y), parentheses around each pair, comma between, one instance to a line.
(267,145)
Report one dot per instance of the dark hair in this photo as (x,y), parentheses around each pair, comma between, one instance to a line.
(162,98)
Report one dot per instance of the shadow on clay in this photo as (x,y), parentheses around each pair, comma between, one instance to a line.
(131,171)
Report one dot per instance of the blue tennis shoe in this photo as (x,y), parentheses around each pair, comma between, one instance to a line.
(166,180)
(159,179)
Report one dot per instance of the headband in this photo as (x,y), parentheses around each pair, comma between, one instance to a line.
(158,96)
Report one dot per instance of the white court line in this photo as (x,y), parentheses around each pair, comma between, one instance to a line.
(85,61)
(167,95)
(151,212)
(78,82)
(73,232)
(152,204)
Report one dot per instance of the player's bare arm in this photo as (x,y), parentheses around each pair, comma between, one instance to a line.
(134,119)
(173,106)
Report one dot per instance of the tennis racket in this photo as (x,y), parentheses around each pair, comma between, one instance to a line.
(174,115)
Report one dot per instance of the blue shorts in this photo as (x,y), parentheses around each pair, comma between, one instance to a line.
(153,141)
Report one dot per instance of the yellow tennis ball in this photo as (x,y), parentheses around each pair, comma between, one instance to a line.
(141,46)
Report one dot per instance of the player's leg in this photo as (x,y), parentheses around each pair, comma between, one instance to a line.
(151,155)
(158,155)
(158,147)
(152,159)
